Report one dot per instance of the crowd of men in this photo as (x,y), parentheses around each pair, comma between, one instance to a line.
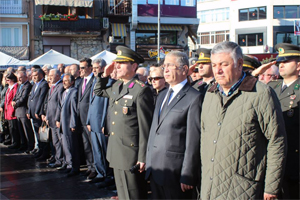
(220,127)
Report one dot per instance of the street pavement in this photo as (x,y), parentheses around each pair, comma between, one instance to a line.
(24,178)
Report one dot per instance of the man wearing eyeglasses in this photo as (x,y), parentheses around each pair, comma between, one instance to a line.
(173,147)
(130,115)
(271,74)
(203,66)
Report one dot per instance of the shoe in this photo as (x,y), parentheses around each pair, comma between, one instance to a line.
(96,180)
(54,165)
(61,168)
(14,146)
(109,181)
(38,154)
(27,152)
(51,160)
(67,170)
(34,151)
(86,173)
(7,142)
(42,158)
(92,175)
(72,173)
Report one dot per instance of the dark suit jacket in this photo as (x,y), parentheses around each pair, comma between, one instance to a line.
(36,99)
(52,102)
(173,152)
(66,112)
(77,82)
(84,100)
(97,110)
(21,99)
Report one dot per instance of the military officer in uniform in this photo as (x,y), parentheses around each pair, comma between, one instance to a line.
(203,64)
(131,108)
(288,92)
(250,63)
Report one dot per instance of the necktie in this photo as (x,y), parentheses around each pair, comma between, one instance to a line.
(165,106)
(83,87)
(283,88)
(52,88)
(65,94)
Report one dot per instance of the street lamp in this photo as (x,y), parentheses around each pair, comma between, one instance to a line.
(158,32)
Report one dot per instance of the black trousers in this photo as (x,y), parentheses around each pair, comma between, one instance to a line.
(26,132)
(13,131)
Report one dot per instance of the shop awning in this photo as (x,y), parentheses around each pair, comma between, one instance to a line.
(163,27)
(70,3)
(118,29)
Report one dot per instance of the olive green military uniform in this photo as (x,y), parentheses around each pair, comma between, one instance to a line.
(250,63)
(290,101)
(131,107)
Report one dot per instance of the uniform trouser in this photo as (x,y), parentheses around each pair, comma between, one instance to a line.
(26,132)
(71,151)
(168,192)
(130,186)
(99,147)
(86,138)
(13,131)
(57,143)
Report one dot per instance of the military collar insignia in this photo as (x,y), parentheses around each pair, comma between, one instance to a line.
(278,85)
(141,83)
(296,87)
(131,85)
(281,50)
(293,97)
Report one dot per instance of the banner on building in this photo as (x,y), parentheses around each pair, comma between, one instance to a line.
(297,27)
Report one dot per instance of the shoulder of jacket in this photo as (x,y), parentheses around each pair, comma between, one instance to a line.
(275,83)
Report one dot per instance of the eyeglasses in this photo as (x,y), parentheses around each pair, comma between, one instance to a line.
(169,66)
(155,78)
(270,75)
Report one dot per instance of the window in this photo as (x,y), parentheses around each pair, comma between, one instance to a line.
(171,2)
(190,3)
(141,2)
(216,15)
(169,38)
(247,14)
(213,37)
(155,2)
(11,36)
(254,39)
(287,38)
(282,12)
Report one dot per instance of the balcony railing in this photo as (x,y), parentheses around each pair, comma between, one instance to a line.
(11,7)
(82,25)
(119,7)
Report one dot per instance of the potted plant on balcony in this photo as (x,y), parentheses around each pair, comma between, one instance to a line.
(44,17)
(63,17)
(54,17)
(73,17)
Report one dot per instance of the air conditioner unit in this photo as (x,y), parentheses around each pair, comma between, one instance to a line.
(105,23)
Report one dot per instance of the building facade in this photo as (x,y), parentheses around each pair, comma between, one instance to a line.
(15,28)
(257,26)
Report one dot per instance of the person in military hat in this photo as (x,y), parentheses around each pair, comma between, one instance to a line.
(288,92)
(194,75)
(131,107)
(203,64)
(250,63)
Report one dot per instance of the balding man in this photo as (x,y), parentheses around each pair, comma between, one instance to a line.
(75,71)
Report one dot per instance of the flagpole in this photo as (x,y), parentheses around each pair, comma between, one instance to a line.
(158,32)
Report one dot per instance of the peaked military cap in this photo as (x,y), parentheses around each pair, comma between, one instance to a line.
(287,52)
(204,56)
(192,61)
(125,54)
(251,63)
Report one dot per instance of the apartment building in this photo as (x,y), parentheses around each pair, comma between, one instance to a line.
(15,28)
(257,26)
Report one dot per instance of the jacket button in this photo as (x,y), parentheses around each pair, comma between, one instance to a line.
(116,102)
(116,112)
(219,124)
(125,101)
(212,160)
(112,133)
(297,151)
(113,123)
(132,145)
(211,178)
(215,141)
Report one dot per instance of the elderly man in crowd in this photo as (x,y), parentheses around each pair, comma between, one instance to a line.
(288,92)
(20,105)
(131,107)
(54,97)
(46,68)
(143,74)
(173,147)
(75,71)
(66,121)
(271,74)
(243,140)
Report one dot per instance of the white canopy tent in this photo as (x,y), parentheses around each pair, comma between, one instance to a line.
(70,3)
(106,55)
(53,57)
(9,60)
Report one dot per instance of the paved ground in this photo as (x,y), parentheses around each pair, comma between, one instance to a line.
(24,178)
